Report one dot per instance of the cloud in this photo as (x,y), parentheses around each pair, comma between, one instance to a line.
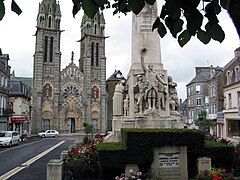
(17,40)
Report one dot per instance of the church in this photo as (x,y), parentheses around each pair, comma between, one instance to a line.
(66,98)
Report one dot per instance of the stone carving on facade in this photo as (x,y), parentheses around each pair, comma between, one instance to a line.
(47,106)
(155,91)
(173,97)
(47,90)
(118,97)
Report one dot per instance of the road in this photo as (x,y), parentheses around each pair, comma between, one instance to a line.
(30,158)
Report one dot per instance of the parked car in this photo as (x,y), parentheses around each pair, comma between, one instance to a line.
(9,138)
(49,133)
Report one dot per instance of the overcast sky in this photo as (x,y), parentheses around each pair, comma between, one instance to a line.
(17,39)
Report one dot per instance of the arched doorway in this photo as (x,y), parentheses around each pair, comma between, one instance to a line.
(71,125)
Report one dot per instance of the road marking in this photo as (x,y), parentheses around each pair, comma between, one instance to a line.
(27,163)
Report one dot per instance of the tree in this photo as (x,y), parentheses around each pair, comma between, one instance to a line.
(88,130)
(202,121)
(174,15)
(14,7)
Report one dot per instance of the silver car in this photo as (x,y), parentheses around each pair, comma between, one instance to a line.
(9,138)
(48,133)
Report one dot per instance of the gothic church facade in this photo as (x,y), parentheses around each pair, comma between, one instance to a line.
(66,99)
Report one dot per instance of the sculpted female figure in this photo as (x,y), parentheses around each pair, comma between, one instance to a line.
(118,98)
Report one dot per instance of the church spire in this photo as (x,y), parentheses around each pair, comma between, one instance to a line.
(49,15)
(72,58)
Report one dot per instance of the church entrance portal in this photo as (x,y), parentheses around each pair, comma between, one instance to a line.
(46,124)
(71,125)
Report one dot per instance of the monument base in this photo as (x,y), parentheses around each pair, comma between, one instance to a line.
(141,121)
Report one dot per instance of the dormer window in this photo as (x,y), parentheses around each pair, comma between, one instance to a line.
(228,77)
(237,74)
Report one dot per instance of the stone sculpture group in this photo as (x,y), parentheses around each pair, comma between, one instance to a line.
(150,93)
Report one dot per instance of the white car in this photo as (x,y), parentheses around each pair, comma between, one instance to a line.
(49,133)
(9,138)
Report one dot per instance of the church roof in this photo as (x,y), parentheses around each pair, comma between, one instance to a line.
(114,76)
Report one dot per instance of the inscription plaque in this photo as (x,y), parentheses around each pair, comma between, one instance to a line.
(168,160)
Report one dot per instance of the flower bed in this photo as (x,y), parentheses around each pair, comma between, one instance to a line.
(214,174)
(82,162)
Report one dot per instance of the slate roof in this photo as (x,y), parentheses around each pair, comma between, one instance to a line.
(204,75)
(200,78)
(113,77)
(17,88)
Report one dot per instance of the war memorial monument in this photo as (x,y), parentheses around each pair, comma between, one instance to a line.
(148,97)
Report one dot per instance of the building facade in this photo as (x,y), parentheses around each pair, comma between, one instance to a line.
(198,91)
(4,91)
(215,101)
(20,103)
(66,99)
(231,91)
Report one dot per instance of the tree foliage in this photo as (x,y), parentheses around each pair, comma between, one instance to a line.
(14,7)
(183,18)
(202,121)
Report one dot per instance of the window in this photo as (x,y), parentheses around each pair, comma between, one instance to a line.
(228,77)
(198,88)
(51,49)
(214,108)
(189,101)
(199,101)
(49,21)
(230,101)
(214,90)
(189,114)
(3,80)
(192,90)
(102,30)
(233,129)
(45,48)
(6,82)
(92,54)
(236,74)
(95,29)
(188,90)
(97,53)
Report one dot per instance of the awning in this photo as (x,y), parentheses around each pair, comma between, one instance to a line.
(18,119)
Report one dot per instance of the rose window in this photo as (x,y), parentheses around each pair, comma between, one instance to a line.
(71,91)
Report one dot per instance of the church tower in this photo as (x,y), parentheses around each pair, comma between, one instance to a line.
(46,70)
(93,65)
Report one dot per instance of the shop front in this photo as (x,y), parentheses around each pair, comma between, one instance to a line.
(19,124)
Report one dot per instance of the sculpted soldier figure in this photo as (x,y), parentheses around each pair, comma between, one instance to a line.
(173,96)
(162,92)
(153,80)
(139,89)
